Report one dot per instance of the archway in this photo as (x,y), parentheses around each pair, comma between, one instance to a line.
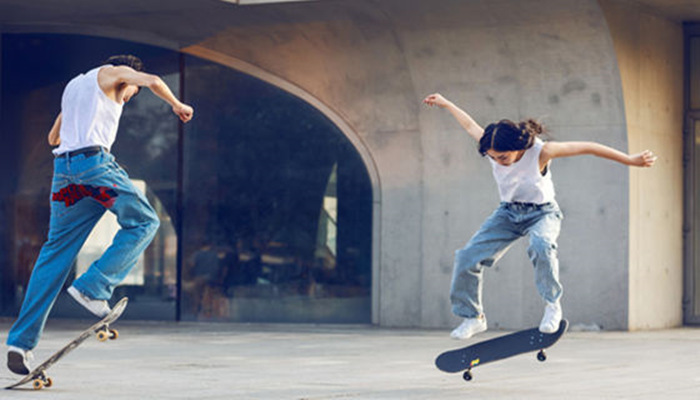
(277,203)
(284,204)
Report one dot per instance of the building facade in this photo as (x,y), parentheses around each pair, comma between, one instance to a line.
(313,186)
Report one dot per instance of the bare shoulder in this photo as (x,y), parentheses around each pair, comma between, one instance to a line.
(547,149)
(552,149)
(108,77)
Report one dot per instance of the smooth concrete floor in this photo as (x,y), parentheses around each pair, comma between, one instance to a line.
(239,361)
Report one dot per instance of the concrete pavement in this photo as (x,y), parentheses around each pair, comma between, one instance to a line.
(235,361)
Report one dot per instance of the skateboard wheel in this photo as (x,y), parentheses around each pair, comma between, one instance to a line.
(38,384)
(542,356)
(48,382)
(467,376)
(114,334)
(103,335)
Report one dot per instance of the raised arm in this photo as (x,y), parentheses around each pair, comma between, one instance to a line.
(55,132)
(553,150)
(473,129)
(111,78)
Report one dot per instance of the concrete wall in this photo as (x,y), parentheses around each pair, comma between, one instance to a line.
(367,65)
(370,63)
(649,50)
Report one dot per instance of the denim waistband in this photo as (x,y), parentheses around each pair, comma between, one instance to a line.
(86,151)
(521,205)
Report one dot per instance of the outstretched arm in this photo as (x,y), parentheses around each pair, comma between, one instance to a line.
(553,150)
(110,78)
(464,119)
(55,132)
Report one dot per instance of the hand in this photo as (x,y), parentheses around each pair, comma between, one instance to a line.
(643,159)
(436,99)
(183,111)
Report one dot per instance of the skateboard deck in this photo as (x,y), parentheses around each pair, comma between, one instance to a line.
(495,349)
(101,329)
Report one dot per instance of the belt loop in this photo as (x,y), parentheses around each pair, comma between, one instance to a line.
(67,157)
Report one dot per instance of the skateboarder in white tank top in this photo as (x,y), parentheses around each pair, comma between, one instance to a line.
(521,167)
(87,182)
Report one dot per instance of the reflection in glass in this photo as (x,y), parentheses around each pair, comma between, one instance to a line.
(696,223)
(276,203)
(326,246)
(694,74)
(277,207)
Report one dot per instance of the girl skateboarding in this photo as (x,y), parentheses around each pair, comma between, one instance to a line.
(520,162)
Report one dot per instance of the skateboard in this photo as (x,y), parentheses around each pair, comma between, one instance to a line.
(495,349)
(101,330)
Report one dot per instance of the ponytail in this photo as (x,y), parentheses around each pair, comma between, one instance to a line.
(533,127)
(506,135)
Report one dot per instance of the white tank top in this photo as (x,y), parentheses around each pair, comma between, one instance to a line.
(89,117)
(522,181)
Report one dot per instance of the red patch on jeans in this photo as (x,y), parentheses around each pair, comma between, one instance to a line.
(73,193)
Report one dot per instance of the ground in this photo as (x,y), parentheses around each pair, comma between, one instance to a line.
(239,361)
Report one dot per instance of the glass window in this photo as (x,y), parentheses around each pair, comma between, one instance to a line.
(276,203)
(695,273)
(277,207)
(695,73)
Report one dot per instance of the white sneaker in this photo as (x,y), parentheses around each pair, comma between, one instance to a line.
(552,318)
(469,327)
(98,307)
(18,360)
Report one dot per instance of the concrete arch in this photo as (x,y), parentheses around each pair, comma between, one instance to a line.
(297,91)
(357,142)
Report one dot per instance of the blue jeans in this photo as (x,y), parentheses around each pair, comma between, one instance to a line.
(510,221)
(83,188)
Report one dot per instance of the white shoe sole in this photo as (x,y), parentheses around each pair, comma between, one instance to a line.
(456,336)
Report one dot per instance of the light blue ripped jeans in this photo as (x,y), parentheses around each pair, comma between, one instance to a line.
(510,221)
(83,188)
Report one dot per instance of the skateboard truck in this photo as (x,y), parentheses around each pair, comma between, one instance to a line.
(42,381)
(468,373)
(542,356)
(106,333)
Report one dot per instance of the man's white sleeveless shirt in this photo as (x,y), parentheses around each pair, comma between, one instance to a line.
(89,117)
(522,181)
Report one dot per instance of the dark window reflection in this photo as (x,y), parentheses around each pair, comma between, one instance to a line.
(277,207)
(276,203)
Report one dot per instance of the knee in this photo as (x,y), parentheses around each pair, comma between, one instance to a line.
(153,224)
(541,246)
(150,222)
(465,259)
(462,257)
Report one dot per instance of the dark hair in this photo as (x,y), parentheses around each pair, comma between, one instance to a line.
(506,135)
(126,59)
